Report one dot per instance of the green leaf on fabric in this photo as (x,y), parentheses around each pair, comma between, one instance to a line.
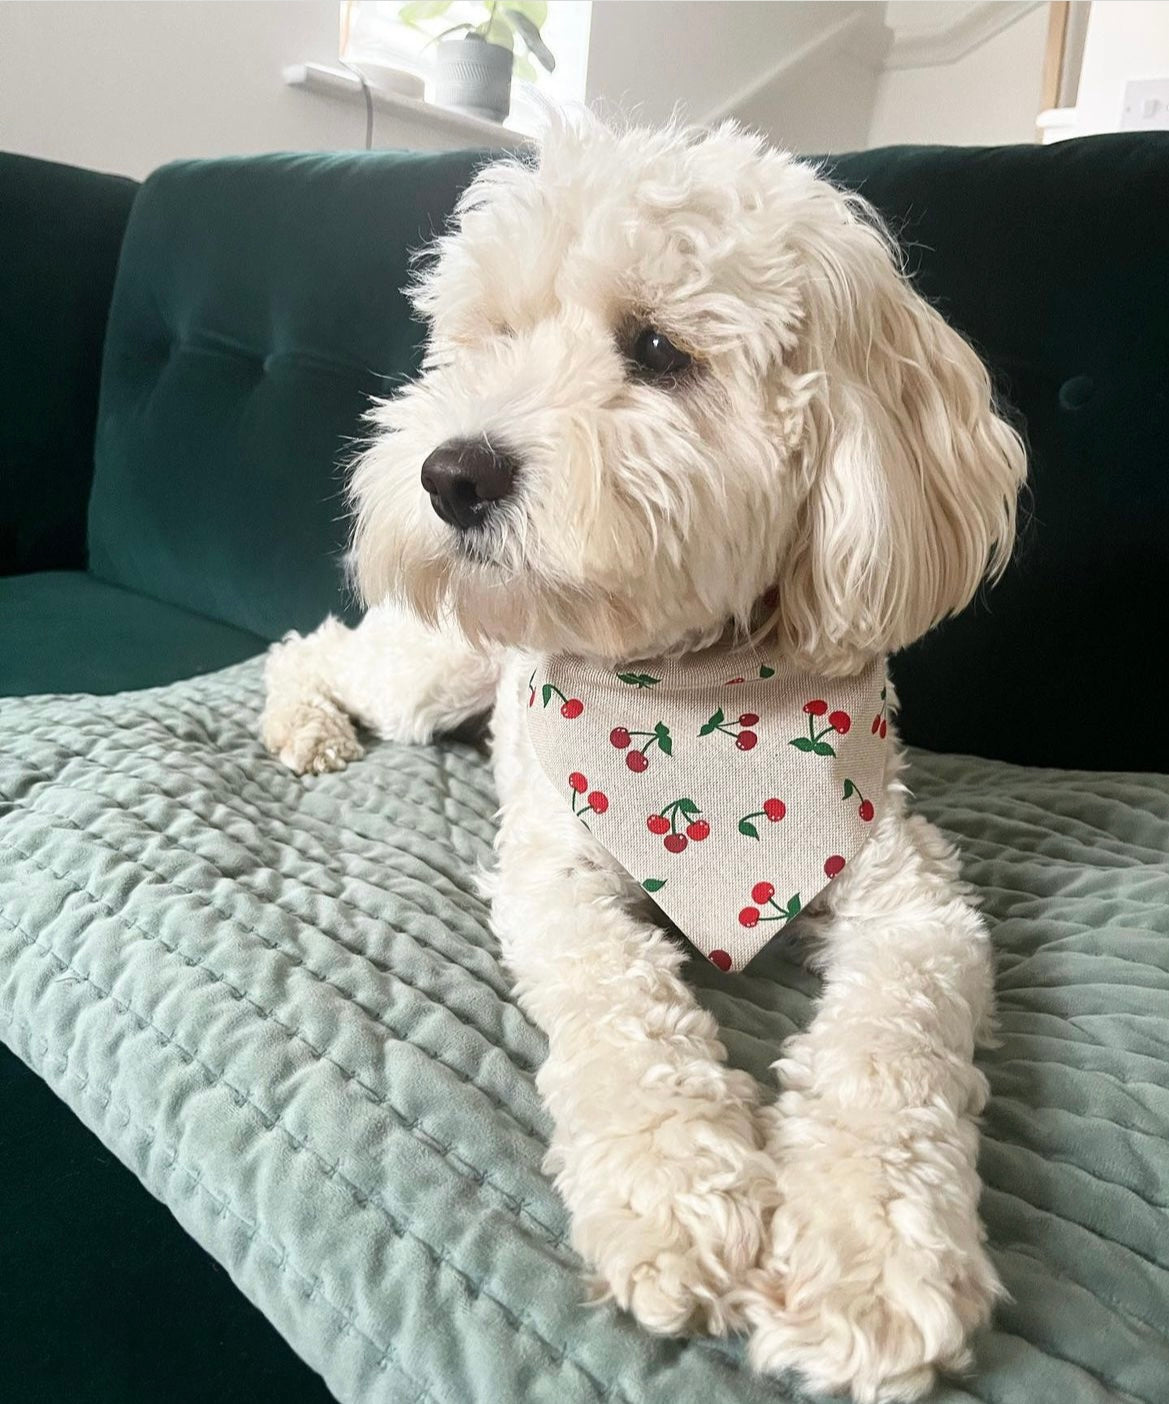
(638,679)
(766,672)
(793,907)
(654,884)
(802,743)
(849,789)
(822,748)
(712,723)
(748,829)
(546,693)
(687,806)
(665,741)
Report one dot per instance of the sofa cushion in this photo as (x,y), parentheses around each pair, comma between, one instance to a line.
(1054,260)
(279,1001)
(258,308)
(64,631)
(60,232)
(116,1305)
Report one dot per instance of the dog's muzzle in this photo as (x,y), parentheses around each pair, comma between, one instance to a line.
(465,478)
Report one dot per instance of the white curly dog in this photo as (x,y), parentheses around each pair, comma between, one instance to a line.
(677,392)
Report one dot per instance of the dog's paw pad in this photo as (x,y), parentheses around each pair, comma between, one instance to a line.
(316,742)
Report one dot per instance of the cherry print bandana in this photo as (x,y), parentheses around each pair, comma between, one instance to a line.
(732,788)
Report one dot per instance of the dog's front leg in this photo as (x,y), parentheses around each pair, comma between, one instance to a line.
(401,678)
(876,1271)
(655,1149)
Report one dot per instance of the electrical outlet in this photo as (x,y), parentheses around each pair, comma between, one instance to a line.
(1146,106)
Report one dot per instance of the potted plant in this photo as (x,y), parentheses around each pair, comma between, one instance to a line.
(473,71)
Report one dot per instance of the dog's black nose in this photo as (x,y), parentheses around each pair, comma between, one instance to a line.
(464,477)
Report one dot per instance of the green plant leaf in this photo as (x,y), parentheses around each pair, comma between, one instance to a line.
(638,679)
(802,743)
(793,908)
(418,11)
(822,748)
(530,34)
(665,744)
(766,672)
(849,789)
(748,829)
(536,10)
(546,693)
(654,884)
(688,807)
(498,30)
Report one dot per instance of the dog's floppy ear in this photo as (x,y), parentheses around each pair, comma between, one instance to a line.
(912,476)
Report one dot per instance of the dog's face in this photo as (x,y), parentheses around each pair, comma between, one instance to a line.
(675,386)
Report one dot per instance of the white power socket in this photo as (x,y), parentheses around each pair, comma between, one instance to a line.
(1146,106)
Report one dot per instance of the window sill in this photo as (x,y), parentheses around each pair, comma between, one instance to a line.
(339,84)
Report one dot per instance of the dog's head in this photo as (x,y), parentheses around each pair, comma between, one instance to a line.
(676,385)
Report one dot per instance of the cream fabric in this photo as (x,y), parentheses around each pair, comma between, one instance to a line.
(733,788)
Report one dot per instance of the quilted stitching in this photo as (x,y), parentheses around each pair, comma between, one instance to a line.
(278,1002)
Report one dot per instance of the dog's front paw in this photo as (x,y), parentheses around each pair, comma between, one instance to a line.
(310,739)
(671,1216)
(875,1274)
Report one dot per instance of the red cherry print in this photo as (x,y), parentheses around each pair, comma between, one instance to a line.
(577,781)
(748,719)
(816,708)
(749,916)
(658,824)
(532,700)
(866,811)
(599,801)
(698,831)
(674,843)
(876,724)
(834,865)
(884,728)
(620,738)
(774,809)
(839,722)
(572,708)
(762,893)
(730,682)
(746,740)
(636,762)
(721,959)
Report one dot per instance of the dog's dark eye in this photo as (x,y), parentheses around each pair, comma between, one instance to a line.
(657,354)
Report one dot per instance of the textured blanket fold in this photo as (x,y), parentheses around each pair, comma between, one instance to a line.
(277,1001)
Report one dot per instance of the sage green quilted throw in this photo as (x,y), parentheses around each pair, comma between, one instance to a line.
(278,1002)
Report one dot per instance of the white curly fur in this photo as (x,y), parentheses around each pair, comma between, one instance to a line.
(830,475)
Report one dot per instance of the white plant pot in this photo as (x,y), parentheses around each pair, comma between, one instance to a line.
(473,76)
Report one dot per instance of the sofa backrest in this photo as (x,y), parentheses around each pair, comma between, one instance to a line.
(60,232)
(258,307)
(1054,261)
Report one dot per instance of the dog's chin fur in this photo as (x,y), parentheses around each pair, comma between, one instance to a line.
(829,476)
(834,442)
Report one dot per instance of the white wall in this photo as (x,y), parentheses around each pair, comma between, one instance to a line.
(1126,39)
(990,96)
(734,58)
(124,87)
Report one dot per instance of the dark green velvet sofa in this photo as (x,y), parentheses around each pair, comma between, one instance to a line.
(183,369)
